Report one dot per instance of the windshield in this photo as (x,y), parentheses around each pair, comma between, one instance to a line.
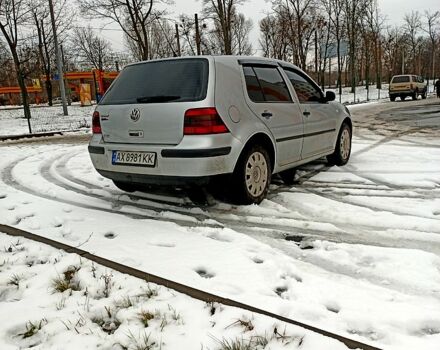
(160,82)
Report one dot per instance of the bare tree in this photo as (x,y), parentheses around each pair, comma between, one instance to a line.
(413,25)
(13,14)
(334,10)
(223,13)
(133,17)
(240,35)
(272,41)
(432,29)
(46,50)
(92,48)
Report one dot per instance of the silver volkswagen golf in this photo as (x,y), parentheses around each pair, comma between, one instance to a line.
(193,119)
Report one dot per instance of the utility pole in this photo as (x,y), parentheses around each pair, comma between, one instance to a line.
(316,55)
(196,20)
(69,100)
(178,41)
(58,56)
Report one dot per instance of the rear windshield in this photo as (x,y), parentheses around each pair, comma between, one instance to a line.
(402,79)
(159,82)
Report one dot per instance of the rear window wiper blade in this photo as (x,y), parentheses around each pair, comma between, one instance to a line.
(157,98)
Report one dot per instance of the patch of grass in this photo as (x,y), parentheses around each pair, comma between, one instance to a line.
(33,328)
(142,342)
(67,280)
(145,316)
(14,280)
(108,323)
(107,284)
(175,316)
(124,303)
(235,344)
(246,324)
(151,292)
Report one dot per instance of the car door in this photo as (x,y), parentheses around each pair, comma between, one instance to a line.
(269,99)
(319,118)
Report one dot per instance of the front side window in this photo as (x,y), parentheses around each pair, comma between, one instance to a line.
(265,84)
(305,89)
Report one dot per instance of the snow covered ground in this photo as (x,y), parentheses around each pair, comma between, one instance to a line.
(48,296)
(354,250)
(43,119)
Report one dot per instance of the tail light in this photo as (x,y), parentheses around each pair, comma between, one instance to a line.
(96,123)
(203,121)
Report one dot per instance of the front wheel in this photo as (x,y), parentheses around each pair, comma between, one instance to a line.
(252,175)
(342,152)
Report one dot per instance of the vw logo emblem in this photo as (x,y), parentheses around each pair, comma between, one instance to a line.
(135,114)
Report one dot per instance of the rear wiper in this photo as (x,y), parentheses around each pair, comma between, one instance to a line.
(157,98)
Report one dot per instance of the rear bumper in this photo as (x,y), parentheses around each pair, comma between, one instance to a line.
(155,179)
(194,160)
(401,92)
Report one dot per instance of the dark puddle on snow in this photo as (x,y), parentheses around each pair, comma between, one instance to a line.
(3,196)
(204,273)
(299,241)
(110,235)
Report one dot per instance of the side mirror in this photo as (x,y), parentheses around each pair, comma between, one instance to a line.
(330,96)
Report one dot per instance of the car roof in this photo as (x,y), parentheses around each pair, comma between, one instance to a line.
(225,59)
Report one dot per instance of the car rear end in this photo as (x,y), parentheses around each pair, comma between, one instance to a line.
(401,85)
(158,124)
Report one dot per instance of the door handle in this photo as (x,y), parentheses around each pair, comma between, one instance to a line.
(306,113)
(267,115)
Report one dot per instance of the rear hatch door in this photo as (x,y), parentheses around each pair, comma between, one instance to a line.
(401,83)
(147,102)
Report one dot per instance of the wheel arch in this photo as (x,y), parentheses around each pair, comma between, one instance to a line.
(264,140)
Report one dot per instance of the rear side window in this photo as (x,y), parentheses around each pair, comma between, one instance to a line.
(265,84)
(402,79)
(253,85)
(161,81)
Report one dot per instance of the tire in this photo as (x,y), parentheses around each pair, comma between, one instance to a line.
(125,186)
(252,176)
(288,176)
(414,95)
(342,152)
(392,98)
(402,97)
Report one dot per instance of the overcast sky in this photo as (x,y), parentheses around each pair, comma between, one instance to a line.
(394,10)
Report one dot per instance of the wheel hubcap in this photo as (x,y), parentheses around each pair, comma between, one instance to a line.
(345,145)
(256,174)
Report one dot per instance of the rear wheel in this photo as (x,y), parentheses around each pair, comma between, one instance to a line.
(342,152)
(125,186)
(252,175)
(288,176)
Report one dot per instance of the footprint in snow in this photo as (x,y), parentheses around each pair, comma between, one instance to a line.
(110,235)
(280,290)
(332,307)
(3,196)
(257,260)
(204,273)
(164,245)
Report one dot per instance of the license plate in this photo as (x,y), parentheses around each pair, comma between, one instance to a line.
(134,158)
